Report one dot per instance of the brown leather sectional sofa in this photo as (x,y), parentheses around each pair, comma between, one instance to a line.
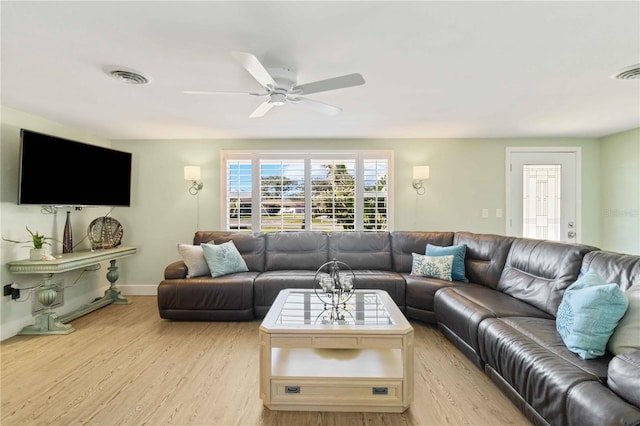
(503,318)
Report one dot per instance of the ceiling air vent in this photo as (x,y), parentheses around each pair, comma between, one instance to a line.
(628,73)
(127,76)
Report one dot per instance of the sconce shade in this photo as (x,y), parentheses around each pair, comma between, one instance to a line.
(420,172)
(191,173)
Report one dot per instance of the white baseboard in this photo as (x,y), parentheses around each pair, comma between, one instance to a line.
(138,289)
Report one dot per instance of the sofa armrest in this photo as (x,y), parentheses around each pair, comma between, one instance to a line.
(175,270)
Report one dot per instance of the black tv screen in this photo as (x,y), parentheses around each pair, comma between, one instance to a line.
(60,172)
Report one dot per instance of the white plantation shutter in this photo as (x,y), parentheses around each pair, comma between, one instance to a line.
(333,195)
(238,190)
(375,200)
(282,195)
(320,191)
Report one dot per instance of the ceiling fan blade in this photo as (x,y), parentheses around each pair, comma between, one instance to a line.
(262,109)
(255,68)
(317,106)
(204,92)
(348,80)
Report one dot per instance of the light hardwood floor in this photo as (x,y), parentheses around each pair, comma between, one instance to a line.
(125,366)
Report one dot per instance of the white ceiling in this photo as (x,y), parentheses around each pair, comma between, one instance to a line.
(432,69)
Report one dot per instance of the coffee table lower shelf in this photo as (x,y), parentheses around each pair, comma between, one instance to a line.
(367,379)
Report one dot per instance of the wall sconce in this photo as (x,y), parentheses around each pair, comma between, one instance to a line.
(420,174)
(192,173)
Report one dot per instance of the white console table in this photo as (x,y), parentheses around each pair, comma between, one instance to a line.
(48,322)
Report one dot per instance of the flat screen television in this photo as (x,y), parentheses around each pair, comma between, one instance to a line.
(61,172)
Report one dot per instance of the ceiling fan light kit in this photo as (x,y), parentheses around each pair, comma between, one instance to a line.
(280,85)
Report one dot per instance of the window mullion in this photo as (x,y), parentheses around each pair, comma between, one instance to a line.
(308,208)
(358,203)
(256,204)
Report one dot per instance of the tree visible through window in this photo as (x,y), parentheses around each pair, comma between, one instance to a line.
(310,191)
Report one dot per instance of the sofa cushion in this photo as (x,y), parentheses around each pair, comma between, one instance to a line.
(458,252)
(250,245)
(419,293)
(626,336)
(485,256)
(193,258)
(538,271)
(624,376)
(622,269)
(389,281)
(460,309)
(432,266)
(542,331)
(404,243)
(225,298)
(533,370)
(588,314)
(223,259)
(361,250)
(592,403)
(296,250)
(268,284)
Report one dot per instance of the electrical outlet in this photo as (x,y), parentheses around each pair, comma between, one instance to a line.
(485,213)
(12,290)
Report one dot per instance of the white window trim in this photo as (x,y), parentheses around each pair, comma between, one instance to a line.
(256,156)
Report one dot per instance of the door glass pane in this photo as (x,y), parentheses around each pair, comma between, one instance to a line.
(541,201)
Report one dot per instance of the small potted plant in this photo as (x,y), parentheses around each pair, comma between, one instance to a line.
(38,241)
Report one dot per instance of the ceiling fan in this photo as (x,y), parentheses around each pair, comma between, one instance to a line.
(281,87)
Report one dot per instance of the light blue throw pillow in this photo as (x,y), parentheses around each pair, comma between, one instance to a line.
(223,259)
(458,252)
(589,313)
(432,266)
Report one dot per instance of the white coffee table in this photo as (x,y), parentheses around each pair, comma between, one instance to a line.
(311,362)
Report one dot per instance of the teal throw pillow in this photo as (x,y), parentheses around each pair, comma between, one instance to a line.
(432,266)
(223,259)
(589,313)
(458,252)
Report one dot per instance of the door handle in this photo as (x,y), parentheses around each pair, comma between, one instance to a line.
(571,234)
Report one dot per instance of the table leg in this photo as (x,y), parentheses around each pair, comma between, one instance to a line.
(265,368)
(111,295)
(47,322)
(113,292)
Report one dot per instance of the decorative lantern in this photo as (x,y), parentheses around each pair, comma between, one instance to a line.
(334,287)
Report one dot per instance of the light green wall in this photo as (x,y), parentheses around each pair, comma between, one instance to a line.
(467,175)
(14,218)
(620,202)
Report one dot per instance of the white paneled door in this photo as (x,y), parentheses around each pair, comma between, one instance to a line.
(542,188)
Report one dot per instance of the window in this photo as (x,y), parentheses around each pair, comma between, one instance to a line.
(319,191)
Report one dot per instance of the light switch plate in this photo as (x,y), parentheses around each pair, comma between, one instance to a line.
(485,213)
